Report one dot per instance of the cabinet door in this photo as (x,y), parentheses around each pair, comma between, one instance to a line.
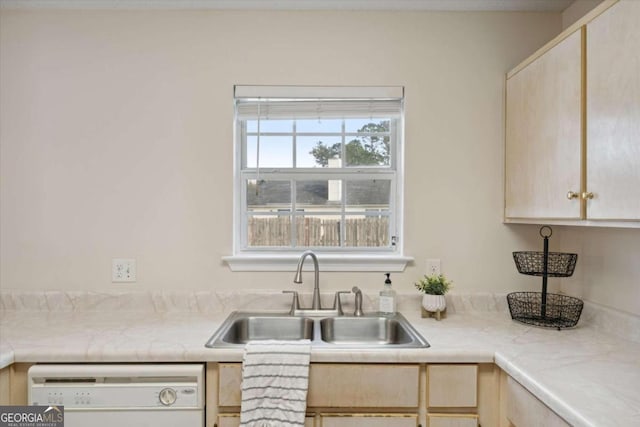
(13,384)
(452,386)
(340,385)
(369,420)
(525,410)
(452,420)
(613,113)
(5,386)
(543,135)
(230,384)
(363,386)
(233,420)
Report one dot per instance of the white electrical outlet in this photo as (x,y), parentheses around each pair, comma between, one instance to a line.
(123,270)
(433,267)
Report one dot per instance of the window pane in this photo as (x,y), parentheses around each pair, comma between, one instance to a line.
(268,196)
(368,195)
(318,230)
(269,230)
(318,151)
(319,126)
(367,151)
(275,151)
(280,126)
(319,195)
(366,125)
(366,231)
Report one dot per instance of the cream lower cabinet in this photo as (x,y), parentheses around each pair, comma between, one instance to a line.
(447,420)
(375,395)
(342,420)
(13,384)
(364,386)
(340,395)
(5,386)
(525,410)
(368,420)
(454,389)
(233,420)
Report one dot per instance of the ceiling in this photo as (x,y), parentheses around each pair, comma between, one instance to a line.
(442,5)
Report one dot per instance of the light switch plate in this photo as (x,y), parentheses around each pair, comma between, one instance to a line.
(123,270)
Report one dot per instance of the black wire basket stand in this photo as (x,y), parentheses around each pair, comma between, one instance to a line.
(542,308)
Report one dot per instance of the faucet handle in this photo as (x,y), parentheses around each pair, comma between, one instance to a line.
(337,304)
(295,303)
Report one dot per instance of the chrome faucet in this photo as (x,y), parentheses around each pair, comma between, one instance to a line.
(315,305)
(358,312)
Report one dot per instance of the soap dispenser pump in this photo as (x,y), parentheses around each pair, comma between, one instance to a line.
(388,298)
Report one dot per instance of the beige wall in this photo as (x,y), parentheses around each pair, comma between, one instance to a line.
(608,269)
(577,10)
(116,138)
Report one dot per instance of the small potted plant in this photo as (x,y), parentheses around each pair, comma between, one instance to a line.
(434,287)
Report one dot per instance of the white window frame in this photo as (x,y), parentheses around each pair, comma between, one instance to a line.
(331,258)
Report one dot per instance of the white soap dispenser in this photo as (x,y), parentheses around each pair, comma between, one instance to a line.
(388,298)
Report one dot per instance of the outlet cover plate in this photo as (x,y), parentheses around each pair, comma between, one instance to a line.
(433,267)
(123,270)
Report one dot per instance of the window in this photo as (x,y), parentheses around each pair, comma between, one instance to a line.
(318,168)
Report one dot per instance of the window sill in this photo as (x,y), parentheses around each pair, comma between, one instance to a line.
(327,262)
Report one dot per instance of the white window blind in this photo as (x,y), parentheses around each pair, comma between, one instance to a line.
(319,92)
(320,109)
(254,102)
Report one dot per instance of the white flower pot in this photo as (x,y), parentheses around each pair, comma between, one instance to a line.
(434,303)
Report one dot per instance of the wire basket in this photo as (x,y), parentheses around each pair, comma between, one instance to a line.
(542,308)
(560,311)
(559,264)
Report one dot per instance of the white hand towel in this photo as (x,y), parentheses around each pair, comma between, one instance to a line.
(275,379)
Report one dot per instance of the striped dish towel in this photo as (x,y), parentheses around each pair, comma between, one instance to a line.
(275,379)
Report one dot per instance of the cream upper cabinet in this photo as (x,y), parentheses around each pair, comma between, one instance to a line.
(572,152)
(543,135)
(613,113)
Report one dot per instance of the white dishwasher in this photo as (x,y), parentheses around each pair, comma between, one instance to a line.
(108,395)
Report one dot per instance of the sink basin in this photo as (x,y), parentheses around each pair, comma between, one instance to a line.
(242,328)
(365,330)
(370,331)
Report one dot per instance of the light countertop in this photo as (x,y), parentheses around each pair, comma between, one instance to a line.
(588,377)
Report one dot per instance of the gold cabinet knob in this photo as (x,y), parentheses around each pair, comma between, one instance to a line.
(572,195)
(587,195)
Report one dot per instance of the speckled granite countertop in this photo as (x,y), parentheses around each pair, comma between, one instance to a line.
(586,375)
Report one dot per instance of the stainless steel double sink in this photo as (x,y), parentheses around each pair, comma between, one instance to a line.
(368,331)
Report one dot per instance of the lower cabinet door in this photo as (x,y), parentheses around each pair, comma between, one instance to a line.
(233,420)
(451,420)
(369,420)
(5,386)
(525,410)
(452,386)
